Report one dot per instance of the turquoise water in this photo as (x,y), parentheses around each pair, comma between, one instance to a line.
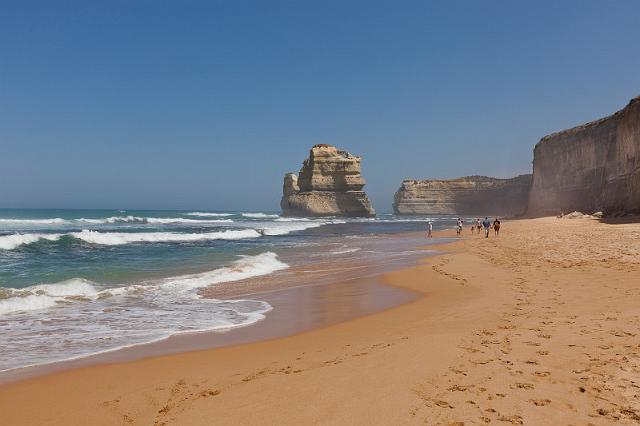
(79,282)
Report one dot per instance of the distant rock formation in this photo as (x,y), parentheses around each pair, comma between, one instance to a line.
(329,184)
(590,168)
(471,195)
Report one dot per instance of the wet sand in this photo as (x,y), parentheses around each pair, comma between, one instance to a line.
(294,310)
(316,291)
(538,326)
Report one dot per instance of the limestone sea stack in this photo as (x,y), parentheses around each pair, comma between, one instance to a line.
(329,184)
(590,168)
(470,195)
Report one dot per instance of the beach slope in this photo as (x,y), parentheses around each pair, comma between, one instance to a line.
(537,326)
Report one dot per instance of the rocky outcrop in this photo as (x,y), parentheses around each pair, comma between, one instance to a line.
(329,184)
(589,168)
(471,195)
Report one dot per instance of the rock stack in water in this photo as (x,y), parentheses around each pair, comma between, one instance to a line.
(473,195)
(590,168)
(329,184)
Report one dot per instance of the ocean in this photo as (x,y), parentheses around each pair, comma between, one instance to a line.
(75,283)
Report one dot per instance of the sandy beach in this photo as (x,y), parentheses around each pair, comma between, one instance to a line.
(537,326)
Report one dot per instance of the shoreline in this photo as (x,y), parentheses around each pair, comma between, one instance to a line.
(271,328)
(538,325)
(373,295)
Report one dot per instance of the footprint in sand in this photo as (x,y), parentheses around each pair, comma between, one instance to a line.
(209,392)
(527,386)
(443,404)
(110,403)
(540,402)
(515,419)
(458,371)
(482,361)
(459,388)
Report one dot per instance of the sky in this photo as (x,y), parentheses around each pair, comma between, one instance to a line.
(155,104)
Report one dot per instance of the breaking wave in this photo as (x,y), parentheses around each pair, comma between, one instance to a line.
(96,319)
(286,228)
(10,242)
(54,221)
(118,238)
(260,215)
(44,296)
(207,214)
(152,220)
(246,267)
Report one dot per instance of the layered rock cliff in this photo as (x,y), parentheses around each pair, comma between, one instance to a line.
(589,168)
(329,184)
(471,195)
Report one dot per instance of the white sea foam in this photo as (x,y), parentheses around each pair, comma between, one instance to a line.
(10,242)
(260,215)
(167,220)
(347,250)
(114,219)
(53,221)
(101,321)
(283,228)
(286,228)
(153,220)
(77,287)
(28,302)
(207,214)
(44,296)
(245,267)
(119,238)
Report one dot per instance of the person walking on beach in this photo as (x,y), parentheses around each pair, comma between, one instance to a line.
(496,227)
(486,223)
(429,229)
(478,225)
(459,227)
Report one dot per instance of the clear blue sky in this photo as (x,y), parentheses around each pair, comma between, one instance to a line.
(205,104)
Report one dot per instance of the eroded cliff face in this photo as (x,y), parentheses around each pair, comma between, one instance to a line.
(471,195)
(329,184)
(589,168)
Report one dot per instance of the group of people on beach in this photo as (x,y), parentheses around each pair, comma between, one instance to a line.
(476,226)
